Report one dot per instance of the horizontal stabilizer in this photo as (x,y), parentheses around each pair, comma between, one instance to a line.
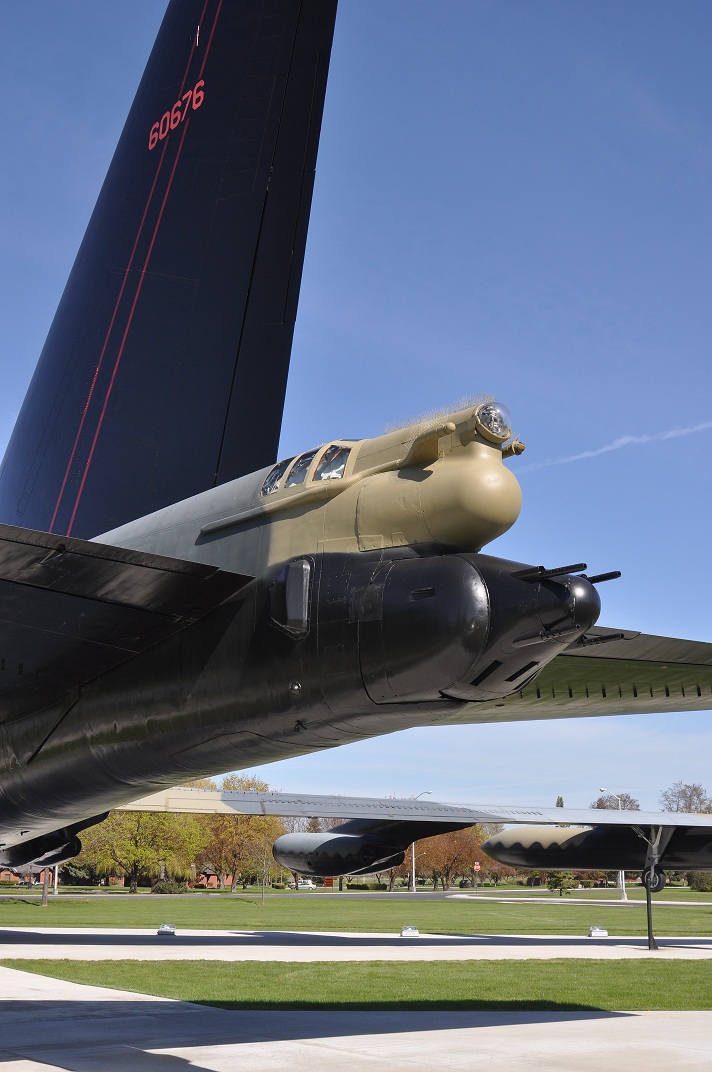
(71,609)
(611,672)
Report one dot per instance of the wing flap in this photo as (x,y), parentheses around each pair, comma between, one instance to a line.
(72,609)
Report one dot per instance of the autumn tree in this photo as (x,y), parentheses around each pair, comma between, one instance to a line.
(592,878)
(495,872)
(685,796)
(451,854)
(236,843)
(135,843)
(402,871)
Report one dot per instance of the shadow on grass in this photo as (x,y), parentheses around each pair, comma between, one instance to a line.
(439,1006)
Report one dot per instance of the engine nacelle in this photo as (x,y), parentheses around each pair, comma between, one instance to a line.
(50,849)
(597,848)
(332,853)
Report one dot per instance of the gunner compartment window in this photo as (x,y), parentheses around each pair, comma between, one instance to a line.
(274,476)
(298,472)
(332,464)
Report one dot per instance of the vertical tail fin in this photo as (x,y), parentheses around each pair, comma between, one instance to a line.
(165,367)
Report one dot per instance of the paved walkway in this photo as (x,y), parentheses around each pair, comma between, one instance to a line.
(54,943)
(48,1024)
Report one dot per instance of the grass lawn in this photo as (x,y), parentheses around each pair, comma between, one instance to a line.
(380,985)
(332,912)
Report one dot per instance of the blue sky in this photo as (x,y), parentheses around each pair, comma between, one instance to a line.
(512,198)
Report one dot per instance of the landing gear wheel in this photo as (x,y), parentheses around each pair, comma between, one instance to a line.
(654,879)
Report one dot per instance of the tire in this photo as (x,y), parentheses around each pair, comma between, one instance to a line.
(654,879)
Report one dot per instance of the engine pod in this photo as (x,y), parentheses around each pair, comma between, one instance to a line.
(604,848)
(335,854)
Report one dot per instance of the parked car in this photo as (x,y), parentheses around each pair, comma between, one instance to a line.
(303,884)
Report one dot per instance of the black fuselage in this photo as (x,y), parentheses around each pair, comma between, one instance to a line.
(320,651)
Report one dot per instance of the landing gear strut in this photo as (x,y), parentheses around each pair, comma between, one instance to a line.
(654,880)
(653,875)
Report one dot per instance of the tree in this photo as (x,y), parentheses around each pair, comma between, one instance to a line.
(200,783)
(592,878)
(448,855)
(257,850)
(495,872)
(685,796)
(142,843)
(560,804)
(488,830)
(700,880)
(236,843)
(563,881)
(402,871)
(609,801)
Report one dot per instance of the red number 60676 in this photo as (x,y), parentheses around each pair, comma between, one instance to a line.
(170,120)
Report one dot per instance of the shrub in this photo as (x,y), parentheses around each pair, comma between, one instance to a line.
(700,880)
(166,886)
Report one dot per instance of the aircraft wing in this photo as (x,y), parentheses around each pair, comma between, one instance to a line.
(377,832)
(71,609)
(233,802)
(614,672)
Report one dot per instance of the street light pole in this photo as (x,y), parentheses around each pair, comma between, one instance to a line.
(424,793)
(621,874)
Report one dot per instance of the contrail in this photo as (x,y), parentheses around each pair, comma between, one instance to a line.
(618,444)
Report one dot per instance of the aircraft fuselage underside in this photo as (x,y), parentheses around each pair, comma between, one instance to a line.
(322,650)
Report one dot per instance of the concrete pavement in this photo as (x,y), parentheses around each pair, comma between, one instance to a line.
(48,1024)
(54,943)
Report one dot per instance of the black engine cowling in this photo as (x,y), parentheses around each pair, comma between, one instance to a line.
(333,853)
(604,848)
(50,849)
